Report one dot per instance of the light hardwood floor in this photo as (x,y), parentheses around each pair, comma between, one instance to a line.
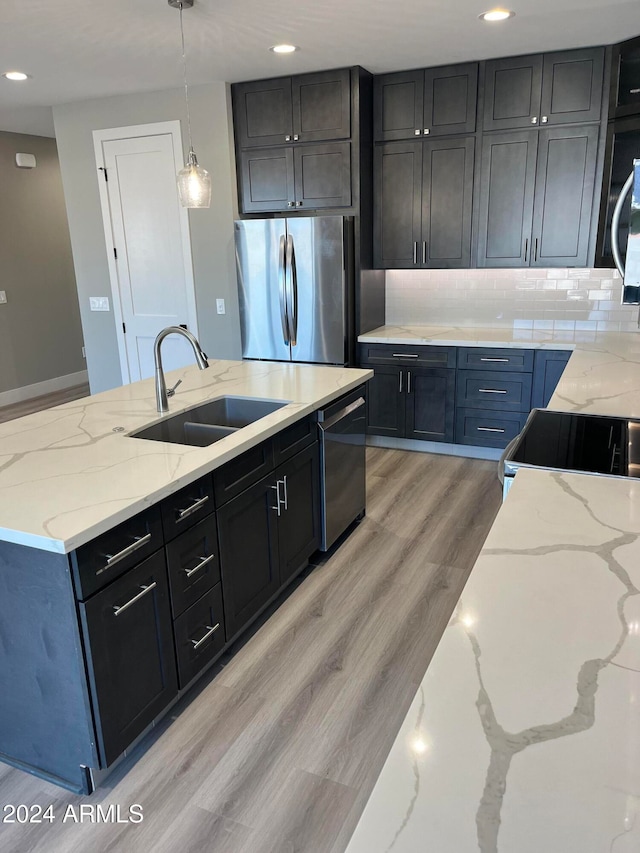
(278,748)
(46,401)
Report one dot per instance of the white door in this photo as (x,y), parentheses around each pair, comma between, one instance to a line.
(152,279)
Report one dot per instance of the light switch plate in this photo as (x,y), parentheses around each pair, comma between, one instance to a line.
(99,303)
(3,296)
(220,306)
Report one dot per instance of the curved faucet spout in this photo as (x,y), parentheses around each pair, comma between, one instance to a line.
(162,402)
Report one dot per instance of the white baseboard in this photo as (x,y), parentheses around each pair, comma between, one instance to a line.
(27,392)
(434,447)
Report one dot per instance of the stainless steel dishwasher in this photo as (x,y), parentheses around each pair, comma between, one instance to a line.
(342,461)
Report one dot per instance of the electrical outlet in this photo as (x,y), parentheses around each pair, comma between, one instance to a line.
(3,296)
(220,306)
(84,352)
(99,303)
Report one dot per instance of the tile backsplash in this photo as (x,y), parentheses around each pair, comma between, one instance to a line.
(555,299)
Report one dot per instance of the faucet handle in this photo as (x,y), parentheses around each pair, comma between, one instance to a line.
(172,391)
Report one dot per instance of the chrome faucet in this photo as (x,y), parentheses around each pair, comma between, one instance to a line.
(162,395)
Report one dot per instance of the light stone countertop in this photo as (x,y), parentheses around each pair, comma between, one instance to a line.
(66,476)
(524,735)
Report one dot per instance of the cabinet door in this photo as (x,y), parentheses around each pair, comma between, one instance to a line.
(548,368)
(267,179)
(572,86)
(447,189)
(450,95)
(430,402)
(398,105)
(323,175)
(512,92)
(299,522)
(321,106)
(130,655)
(397,204)
(262,112)
(248,541)
(564,196)
(507,183)
(623,146)
(385,402)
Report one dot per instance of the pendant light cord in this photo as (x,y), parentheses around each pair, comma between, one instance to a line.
(186,89)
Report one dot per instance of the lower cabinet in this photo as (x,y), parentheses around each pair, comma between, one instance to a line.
(267,534)
(130,654)
(548,367)
(416,402)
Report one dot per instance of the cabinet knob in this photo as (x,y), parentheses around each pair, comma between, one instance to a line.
(544,119)
(417,132)
(534,120)
(298,204)
(290,203)
(295,137)
(287,138)
(427,131)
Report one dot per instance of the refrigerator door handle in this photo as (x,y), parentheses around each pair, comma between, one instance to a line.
(292,291)
(282,286)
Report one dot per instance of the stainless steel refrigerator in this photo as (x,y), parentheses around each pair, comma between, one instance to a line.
(295,288)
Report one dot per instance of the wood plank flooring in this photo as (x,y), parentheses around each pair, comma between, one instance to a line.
(278,748)
(46,401)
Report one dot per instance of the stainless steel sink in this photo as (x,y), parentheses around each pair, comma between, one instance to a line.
(209,422)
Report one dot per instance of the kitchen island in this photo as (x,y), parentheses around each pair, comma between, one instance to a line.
(128,565)
(524,734)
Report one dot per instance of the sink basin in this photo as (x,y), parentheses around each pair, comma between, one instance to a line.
(209,422)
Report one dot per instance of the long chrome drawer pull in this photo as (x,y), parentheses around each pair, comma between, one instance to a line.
(286,495)
(404,355)
(144,590)
(210,631)
(489,429)
(203,562)
(138,542)
(495,359)
(278,501)
(491,391)
(183,513)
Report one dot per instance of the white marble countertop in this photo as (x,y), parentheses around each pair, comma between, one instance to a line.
(485,336)
(66,476)
(524,735)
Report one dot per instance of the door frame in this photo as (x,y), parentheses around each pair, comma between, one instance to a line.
(139,130)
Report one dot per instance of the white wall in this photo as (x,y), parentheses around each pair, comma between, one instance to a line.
(211,230)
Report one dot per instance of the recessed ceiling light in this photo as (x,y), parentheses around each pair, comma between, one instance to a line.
(15,75)
(496,15)
(284,48)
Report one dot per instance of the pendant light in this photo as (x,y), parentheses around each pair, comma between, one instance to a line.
(194,182)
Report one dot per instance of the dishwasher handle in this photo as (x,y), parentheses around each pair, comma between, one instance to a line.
(326,425)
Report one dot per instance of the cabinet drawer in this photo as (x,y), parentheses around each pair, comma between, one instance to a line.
(240,473)
(186,507)
(491,358)
(100,561)
(483,389)
(199,634)
(487,428)
(420,355)
(293,439)
(193,563)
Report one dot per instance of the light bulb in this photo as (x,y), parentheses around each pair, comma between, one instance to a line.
(497,15)
(194,184)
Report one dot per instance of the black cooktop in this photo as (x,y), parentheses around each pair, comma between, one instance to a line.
(568,441)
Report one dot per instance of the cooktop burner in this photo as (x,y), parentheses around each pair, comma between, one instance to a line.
(569,441)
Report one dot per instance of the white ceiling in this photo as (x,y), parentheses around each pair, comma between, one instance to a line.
(79,49)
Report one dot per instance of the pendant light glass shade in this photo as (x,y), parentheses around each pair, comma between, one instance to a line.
(194,184)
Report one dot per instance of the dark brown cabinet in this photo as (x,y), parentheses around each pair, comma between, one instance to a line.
(536,197)
(311,177)
(429,102)
(554,88)
(423,203)
(625,79)
(306,108)
(299,520)
(130,655)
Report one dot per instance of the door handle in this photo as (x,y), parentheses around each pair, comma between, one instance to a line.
(184,513)
(203,562)
(424,251)
(210,632)
(277,488)
(286,494)
(415,252)
(535,250)
(408,381)
(400,383)
(292,291)
(282,285)
(526,249)
(143,591)
(138,542)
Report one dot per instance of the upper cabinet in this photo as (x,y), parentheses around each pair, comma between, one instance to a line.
(306,108)
(555,88)
(299,141)
(428,102)
(625,79)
